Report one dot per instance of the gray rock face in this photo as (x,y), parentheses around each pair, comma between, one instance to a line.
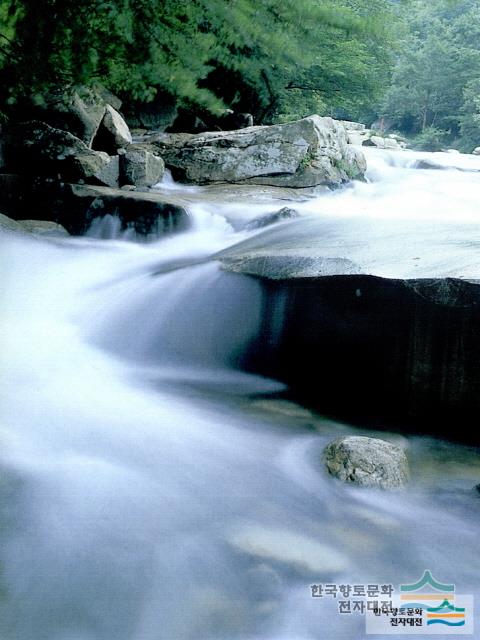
(141,168)
(35,227)
(35,148)
(367,462)
(94,167)
(272,218)
(381,143)
(282,266)
(305,153)
(78,111)
(113,133)
(147,212)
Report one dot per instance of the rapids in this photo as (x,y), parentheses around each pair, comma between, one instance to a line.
(149,489)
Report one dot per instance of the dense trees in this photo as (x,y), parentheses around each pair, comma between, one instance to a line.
(435,89)
(279,59)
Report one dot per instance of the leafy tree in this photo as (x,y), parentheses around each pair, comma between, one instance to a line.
(276,58)
(435,84)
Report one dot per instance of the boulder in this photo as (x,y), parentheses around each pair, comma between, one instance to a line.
(281,265)
(388,324)
(289,549)
(355,137)
(141,167)
(7,224)
(35,227)
(37,149)
(306,153)
(113,133)
(43,228)
(381,143)
(476,151)
(272,218)
(93,167)
(76,206)
(353,126)
(367,462)
(79,111)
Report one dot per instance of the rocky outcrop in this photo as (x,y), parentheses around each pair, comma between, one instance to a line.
(35,227)
(75,206)
(367,462)
(37,149)
(79,111)
(381,143)
(113,133)
(364,325)
(141,167)
(305,153)
(359,135)
(276,265)
(285,213)
(146,212)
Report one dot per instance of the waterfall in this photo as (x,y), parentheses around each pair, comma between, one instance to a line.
(150,489)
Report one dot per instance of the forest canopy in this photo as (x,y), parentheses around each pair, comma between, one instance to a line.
(277,59)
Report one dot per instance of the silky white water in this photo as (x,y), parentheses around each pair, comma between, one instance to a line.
(150,490)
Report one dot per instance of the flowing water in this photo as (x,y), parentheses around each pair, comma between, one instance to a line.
(152,491)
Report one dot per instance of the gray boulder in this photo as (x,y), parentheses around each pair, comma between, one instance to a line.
(304,153)
(35,148)
(113,133)
(367,462)
(35,227)
(94,167)
(282,265)
(141,167)
(43,228)
(79,111)
(381,143)
(272,218)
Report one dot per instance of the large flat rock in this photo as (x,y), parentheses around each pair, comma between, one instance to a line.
(341,245)
(305,153)
(369,319)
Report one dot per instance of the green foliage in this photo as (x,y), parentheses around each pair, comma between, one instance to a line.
(436,82)
(430,139)
(280,59)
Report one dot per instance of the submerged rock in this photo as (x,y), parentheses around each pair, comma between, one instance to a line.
(304,153)
(290,549)
(272,218)
(285,265)
(367,462)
